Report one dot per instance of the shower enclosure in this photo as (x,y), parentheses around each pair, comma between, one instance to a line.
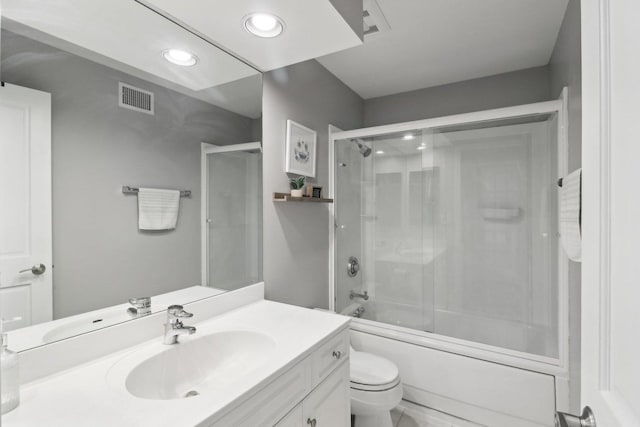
(231,215)
(453,225)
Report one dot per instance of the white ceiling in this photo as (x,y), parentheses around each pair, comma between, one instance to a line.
(127,36)
(312,28)
(435,42)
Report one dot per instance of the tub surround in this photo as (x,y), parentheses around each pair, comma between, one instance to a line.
(95,392)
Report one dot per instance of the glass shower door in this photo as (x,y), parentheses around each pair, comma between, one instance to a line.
(455,229)
(384,217)
(234,218)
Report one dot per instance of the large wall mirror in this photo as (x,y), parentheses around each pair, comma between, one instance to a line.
(102,104)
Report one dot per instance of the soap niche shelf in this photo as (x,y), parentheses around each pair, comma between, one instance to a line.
(287,197)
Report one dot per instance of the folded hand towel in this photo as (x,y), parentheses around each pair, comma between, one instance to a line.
(158,209)
(570,205)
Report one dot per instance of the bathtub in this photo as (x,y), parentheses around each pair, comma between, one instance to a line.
(483,384)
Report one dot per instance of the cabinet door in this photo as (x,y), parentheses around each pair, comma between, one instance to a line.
(293,418)
(329,404)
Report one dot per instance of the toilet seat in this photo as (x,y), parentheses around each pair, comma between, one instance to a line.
(380,387)
(375,389)
(372,373)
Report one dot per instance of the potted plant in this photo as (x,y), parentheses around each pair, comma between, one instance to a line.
(297,186)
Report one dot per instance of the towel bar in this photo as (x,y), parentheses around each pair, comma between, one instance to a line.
(132,190)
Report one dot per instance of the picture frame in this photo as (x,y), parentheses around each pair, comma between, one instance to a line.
(300,150)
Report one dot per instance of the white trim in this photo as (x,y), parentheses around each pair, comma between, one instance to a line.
(205,149)
(552,366)
(210,148)
(604,207)
(563,260)
(456,119)
(332,218)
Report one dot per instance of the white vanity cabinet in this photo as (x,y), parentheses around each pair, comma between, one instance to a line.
(262,364)
(312,393)
(327,405)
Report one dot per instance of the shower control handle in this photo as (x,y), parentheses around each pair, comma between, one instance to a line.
(337,354)
(353,266)
(312,422)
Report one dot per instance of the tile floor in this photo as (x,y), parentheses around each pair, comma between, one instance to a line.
(410,415)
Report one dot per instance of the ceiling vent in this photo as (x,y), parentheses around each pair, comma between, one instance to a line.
(373,19)
(135,98)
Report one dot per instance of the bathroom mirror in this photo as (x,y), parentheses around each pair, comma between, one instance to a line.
(98,100)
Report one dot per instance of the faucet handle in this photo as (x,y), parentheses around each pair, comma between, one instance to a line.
(141,302)
(176,311)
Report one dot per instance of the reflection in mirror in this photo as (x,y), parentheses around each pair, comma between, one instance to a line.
(97,96)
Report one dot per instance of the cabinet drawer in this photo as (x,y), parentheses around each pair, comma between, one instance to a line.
(329,356)
(272,402)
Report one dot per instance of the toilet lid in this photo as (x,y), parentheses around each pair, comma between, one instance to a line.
(369,369)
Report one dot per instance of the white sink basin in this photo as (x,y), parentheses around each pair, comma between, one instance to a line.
(196,366)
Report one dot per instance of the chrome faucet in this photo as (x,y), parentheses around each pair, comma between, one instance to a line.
(141,306)
(174,327)
(353,294)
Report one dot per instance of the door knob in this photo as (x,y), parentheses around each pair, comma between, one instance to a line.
(35,270)
(585,420)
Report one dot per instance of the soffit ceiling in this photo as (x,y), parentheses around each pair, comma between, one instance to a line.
(313,28)
(127,36)
(436,42)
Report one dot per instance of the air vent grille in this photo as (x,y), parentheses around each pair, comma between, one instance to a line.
(135,98)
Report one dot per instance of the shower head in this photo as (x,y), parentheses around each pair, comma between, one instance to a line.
(364,150)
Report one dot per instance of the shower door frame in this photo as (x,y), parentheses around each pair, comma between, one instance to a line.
(523,360)
(206,149)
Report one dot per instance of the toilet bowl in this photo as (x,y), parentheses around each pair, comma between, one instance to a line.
(375,389)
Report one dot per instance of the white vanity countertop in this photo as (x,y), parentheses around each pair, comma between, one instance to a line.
(83,396)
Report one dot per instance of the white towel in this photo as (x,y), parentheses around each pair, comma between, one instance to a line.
(570,201)
(158,209)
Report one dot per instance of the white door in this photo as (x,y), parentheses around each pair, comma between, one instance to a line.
(610,379)
(25,206)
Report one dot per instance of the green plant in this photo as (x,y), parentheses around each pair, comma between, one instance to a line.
(296,183)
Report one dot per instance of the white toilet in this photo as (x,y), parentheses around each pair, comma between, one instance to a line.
(375,389)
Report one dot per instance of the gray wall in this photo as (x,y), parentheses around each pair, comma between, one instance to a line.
(502,90)
(566,70)
(100,257)
(296,235)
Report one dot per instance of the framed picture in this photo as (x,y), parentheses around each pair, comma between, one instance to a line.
(300,150)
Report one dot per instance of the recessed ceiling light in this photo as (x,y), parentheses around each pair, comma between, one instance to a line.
(421,147)
(379,152)
(408,136)
(263,24)
(180,57)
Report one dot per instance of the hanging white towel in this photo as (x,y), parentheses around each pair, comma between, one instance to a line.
(158,209)
(570,205)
